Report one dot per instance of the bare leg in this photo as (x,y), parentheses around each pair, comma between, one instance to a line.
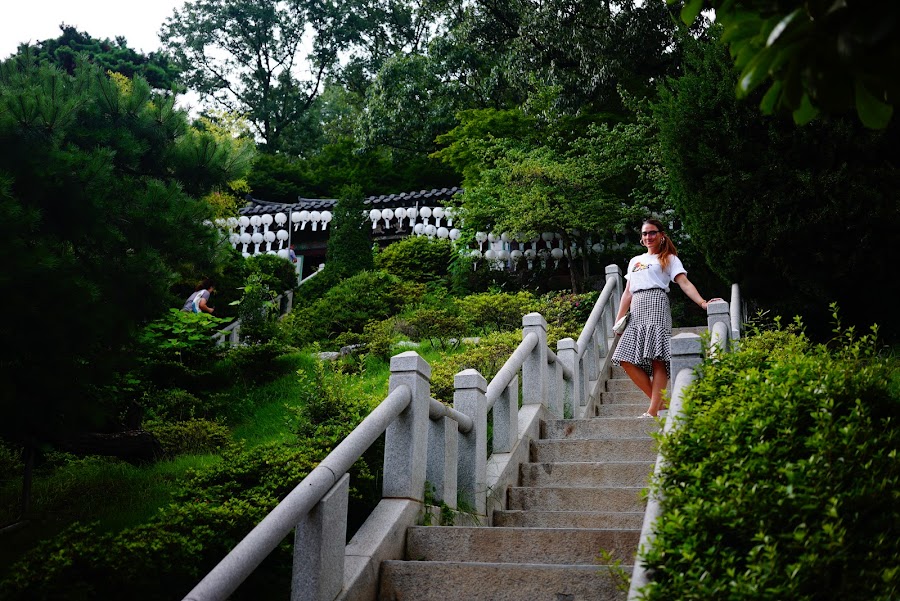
(639,377)
(660,380)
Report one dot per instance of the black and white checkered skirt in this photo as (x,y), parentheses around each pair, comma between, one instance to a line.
(649,331)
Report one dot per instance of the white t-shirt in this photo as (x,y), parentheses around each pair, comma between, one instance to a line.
(644,272)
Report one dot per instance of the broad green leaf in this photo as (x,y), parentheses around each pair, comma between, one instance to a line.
(755,72)
(873,113)
(770,100)
(781,27)
(806,112)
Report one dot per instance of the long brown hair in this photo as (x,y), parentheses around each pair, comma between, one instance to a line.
(666,247)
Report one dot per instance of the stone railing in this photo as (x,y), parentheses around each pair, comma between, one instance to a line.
(724,324)
(427,444)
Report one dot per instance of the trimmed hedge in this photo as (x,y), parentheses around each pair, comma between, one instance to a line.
(783,480)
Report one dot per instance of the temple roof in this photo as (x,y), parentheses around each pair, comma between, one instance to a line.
(435,197)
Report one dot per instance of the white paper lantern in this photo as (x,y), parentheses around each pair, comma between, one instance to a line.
(387,215)
(430,230)
(254,221)
(443,232)
(304,218)
(504,237)
(244,221)
(326,219)
(492,237)
(455,234)
(503,254)
(438,213)
(425,212)
(245,254)
(449,215)
(280,219)
(374,216)
(285,254)
(490,254)
(515,255)
(412,213)
(557,254)
(295,219)
(269,237)
(475,254)
(266,221)
(419,229)
(400,213)
(282,236)
(315,217)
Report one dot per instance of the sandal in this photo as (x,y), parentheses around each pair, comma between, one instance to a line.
(645,414)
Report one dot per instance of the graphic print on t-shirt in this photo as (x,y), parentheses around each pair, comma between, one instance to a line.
(640,266)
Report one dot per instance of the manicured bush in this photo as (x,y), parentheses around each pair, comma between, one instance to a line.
(781,481)
(416,258)
(487,356)
(497,311)
(275,272)
(566,313)
(189,436)
(444,328)
(348,307)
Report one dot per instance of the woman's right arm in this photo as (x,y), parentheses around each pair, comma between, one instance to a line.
(625,303)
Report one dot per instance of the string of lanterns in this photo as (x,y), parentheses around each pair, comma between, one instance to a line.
(256,235)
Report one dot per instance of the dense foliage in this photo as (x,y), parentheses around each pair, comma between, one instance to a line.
(781,481)
(793,214)
(108,55)
(96,176)
(819,55)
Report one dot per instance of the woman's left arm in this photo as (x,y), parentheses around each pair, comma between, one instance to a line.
(691,291)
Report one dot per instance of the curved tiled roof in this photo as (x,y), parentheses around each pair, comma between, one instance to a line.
(435,197)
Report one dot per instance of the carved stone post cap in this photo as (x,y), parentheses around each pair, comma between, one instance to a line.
(613,270)
(566,344)
(534,319)
(410,361)
(716,307)
(470,378)
(686,344)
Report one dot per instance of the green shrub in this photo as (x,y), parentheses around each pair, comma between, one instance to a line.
(497,311)
(444,328)
(275,272)
(254,363)
(566,313)
(10,462)
(173,404)
(487,356)
(348,307)
(181,337)
(782,479)
(190,436)
(258,310)
(416,259)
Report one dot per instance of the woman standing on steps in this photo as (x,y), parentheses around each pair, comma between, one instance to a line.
(644,349)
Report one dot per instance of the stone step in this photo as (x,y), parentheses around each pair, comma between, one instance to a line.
(622,409)
(569,519)
(619,449)
(567,498)
(598,428)
(586,474)
(622,385)
(566,546)
(624,397)
(617,372)
(439,581)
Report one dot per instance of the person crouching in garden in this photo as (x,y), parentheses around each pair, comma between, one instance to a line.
(198,302)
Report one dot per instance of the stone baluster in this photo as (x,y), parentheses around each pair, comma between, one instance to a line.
(443,443)
(469,398)
(406,438)
(534,369)
(506,418)
(319,541)
(567,351)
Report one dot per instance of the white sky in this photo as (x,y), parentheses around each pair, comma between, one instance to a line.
(138,21)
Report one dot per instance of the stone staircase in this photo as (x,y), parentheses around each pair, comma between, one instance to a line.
(576,513)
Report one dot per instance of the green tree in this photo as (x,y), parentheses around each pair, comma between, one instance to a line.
(350,242)
(796,215)
(818,55)
(94,179)
(109,55)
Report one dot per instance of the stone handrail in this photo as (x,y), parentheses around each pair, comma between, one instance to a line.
(427,445)
(686,355)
